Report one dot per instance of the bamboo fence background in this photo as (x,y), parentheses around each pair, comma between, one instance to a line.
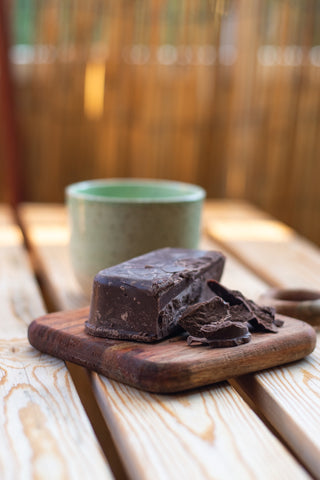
(223,93)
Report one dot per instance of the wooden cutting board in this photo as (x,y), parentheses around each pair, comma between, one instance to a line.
(170,365)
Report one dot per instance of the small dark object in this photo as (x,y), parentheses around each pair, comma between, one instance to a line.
(239,313)
(223,334)
(216,323)
(260,318)
(225,319)
(223,330)
(199,315)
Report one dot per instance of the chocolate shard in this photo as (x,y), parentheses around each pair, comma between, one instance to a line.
(264,318)
(239,313)
(142,299)
(212,323)
(224,334)
(224,330)
(200,314)
(233,297)
(261,318)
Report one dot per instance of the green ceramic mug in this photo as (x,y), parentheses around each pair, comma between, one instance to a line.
(114,220)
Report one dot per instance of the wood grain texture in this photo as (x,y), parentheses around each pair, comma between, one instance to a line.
(170,365)
(289,397)
(264,245)
(205,434)
(44,431)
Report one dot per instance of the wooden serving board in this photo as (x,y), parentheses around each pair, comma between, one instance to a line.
(170,365)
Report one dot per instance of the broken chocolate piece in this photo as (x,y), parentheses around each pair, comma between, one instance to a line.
(220,342)
(197,316)
(225,320)
(223,334)
(239,313)
(142,299)
(260,318)
(211,323)
(224,330)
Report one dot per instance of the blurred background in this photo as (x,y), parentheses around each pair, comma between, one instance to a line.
(222,93)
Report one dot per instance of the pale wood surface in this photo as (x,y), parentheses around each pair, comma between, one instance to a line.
(209,433)
(43,428)
(266,246)
(289,397)
(46,228)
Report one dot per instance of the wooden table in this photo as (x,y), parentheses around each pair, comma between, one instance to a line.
(258,426)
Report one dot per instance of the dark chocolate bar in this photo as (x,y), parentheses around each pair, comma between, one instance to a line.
(142,299)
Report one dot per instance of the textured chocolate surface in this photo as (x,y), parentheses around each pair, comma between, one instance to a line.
(142,299)
(261,318)
(216,323)
(226,319)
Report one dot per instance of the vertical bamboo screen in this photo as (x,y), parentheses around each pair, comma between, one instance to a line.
(224,93)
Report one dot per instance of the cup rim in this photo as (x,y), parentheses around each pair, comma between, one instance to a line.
(195,191)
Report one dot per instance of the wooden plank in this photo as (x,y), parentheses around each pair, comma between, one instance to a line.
(50,234)
(203,434)
(47,225)
(43,428)
(266,246)
(288,396)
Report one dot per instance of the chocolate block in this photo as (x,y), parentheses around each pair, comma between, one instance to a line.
(142,299)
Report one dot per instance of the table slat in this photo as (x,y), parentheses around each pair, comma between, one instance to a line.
(205,434)
(266,246)
(43,428)
(289,397)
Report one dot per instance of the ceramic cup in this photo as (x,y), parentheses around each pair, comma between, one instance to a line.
(114,220)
